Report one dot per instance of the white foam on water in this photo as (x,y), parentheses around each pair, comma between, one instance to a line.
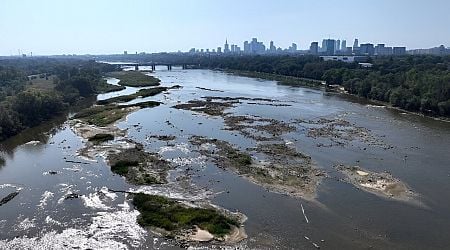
(182,147)
(179,161)
(171,192)
(26,224)
(50,220)
(44,198)
(107,230)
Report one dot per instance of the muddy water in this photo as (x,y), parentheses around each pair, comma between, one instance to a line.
(412,148)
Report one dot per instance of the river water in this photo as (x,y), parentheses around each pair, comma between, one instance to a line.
(412,148)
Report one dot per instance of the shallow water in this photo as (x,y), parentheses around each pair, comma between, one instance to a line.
(342,216)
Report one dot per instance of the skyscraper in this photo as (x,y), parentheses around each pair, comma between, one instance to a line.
(338,45)
(356,43)
(344,45)
(226,47)
(294,47)
(272,47)
(330,46)
(246,47)
(314,48)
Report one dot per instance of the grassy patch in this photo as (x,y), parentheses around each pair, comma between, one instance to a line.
(135,79)
(102,115)
(126,98)
(238,158)
(99,138)
(121,167)
(139,167)
(104,87)
(160,212)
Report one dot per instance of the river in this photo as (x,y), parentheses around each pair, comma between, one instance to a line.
(412,148)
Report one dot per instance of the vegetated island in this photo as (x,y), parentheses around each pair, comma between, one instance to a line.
(134,79)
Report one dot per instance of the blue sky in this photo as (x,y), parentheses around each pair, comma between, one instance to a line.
(112,26)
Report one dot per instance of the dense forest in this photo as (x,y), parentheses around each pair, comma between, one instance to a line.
(414,83)
(35,90)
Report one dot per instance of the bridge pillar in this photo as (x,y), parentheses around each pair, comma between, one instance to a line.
(153,67)
(169,67)
(136,67)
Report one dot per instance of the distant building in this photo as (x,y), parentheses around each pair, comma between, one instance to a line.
(219,49)
(272,47)
(367,49)
(348,59)
(257,47)
(226,47)
(399,51)
(356,43)
(314,48)
(338,45)
(382,50)
(330,45)
(293,48)
(344,45)
(125,52)
(246,47)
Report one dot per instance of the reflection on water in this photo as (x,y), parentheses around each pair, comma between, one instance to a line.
(342,216)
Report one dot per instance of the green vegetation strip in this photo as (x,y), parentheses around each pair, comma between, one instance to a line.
(160,212)
(126,98)
(108,114)
(135,79)
(104,87)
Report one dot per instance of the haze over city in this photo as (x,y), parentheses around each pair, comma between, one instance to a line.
(106,27)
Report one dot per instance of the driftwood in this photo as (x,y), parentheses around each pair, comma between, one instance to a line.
(8,198)
(303,211)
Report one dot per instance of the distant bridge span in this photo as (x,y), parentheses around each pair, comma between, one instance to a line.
(154,64)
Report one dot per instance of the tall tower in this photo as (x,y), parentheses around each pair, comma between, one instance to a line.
(343,45)
(356,43)
(226,47)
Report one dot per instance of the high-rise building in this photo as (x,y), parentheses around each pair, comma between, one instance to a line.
(344,45)
(246,47)
(330,46)
(356,43)
(272,47)
(367,49)
(338,45)
(219,49)
(314,48)
(399,51)
(226,47)
(293,47)
(382,50)
(125,52)
(324,45)
(256,47)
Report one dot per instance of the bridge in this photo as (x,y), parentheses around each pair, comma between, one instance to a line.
(153,65)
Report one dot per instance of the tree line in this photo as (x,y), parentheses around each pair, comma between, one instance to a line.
(22,107)
(414,83)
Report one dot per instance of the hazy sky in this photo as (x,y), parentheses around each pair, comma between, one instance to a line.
(112,26)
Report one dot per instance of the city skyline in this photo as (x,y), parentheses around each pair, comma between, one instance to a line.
(108,27)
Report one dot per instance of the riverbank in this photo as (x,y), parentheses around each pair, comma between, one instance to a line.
(282,79)
(336,89)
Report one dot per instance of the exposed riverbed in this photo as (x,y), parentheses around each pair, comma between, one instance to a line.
(292,192)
